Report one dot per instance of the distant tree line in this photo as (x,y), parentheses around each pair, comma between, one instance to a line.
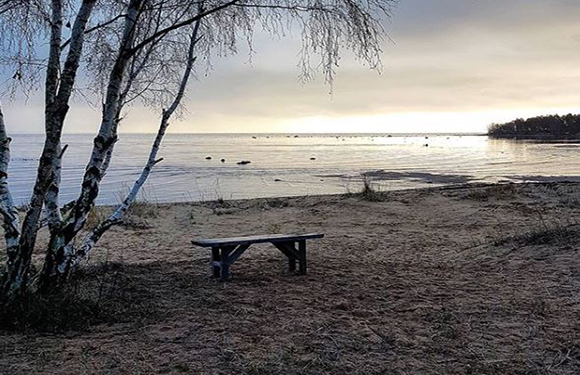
(552,126)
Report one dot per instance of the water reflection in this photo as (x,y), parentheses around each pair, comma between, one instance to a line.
(297,164)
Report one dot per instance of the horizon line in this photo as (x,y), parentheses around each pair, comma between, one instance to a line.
(272,133)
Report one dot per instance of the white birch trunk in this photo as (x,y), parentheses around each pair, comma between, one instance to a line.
(18,261)
(11,221)
(93,237)
(107,135)
(133,74)
(58,93)
(53,213)
(60,249)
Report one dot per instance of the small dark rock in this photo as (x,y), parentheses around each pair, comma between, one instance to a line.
(277,180)
(208,158)
(244,162)
(312,158)
(223,160)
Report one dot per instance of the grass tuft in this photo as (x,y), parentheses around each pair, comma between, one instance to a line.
(544,234)
(95,295)
(144,209)
(369,191)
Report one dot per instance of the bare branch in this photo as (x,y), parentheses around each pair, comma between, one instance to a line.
(96,27)
(162,33)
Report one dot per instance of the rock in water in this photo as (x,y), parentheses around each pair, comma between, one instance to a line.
(208,158)
(244,162)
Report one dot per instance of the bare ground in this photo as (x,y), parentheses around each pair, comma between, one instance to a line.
(478,280)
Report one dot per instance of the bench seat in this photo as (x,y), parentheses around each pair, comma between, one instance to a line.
(248,240)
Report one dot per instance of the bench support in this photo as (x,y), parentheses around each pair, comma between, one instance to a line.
(215,261)
(224,256)
(302,258)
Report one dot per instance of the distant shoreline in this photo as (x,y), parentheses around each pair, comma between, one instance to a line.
(535,137)
(548,128)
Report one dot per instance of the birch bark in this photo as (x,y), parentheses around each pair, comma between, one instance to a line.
(93,237)
(11,221)
(107,133)
(58,91)
(60,250)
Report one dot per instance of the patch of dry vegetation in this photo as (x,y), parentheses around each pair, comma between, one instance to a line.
(228,207)
(545,234)
(499,191)
(369,190)
(96,295)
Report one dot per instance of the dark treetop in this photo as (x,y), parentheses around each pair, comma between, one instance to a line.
(541,127)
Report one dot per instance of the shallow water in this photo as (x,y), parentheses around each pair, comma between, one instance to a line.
(281,165)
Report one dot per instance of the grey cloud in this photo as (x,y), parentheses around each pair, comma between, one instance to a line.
(447,56)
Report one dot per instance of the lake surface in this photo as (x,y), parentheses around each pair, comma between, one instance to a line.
(281,165)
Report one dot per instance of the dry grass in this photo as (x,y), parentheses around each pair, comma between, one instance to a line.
(94,295)
(499,191)
(143,209)
(369,190)
(545,234)
(97,215)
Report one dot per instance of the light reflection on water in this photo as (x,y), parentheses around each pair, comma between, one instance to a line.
(281,165)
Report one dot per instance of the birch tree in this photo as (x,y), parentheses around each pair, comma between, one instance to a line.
(136,50)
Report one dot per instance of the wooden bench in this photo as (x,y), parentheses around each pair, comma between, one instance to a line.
(225,251)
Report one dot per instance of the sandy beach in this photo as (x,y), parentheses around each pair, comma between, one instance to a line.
(477,279)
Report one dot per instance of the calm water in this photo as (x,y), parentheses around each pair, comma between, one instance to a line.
(281,165)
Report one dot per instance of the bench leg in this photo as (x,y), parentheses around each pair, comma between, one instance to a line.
(225,263)
(302,260)
(215,258)
(292,262)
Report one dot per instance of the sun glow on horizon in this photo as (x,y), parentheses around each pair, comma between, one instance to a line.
(412,122)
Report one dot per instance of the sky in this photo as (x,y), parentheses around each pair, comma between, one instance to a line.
(449,66)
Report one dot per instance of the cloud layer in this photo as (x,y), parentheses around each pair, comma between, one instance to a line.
(451,66)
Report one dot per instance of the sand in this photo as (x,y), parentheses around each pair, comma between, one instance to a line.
(467,280)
